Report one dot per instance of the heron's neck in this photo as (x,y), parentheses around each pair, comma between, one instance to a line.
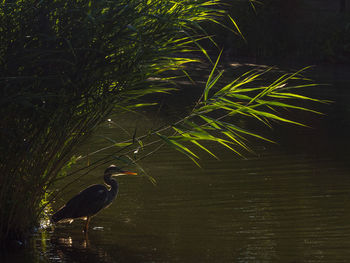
(113,184)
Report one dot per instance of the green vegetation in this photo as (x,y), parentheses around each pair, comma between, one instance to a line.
(67,65)
(217,114)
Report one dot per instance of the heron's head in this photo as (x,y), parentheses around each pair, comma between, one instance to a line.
(116,171)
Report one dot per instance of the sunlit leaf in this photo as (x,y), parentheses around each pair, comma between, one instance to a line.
(210,81)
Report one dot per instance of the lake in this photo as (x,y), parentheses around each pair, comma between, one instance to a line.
(288,202)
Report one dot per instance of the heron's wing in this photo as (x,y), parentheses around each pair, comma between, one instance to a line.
(87,202)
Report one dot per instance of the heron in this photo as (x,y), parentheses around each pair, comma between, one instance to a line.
(91,200)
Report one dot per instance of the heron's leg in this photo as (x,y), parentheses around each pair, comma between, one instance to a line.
(86,243)
(87,225)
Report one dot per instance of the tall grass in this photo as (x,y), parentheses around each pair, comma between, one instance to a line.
(67,65)
(64,67)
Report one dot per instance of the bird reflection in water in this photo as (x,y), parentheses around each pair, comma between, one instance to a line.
(75,249)
(91,200)
(68,242)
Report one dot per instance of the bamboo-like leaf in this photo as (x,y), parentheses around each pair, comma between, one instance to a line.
(210,83)
(275,117)
(229,147)
(204,148)
(210,121)
(235,86)
(239,96)
(144,173)
(237,28)
(252,4)
(285,105)
(284,78)
(122,144)
(236,140)
(181,148)
(292,96)
(241,130)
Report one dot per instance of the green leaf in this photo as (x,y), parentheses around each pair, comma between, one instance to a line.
(211,83)
(122,144)
(273,116)
(181,148)
(204,148)
(285,105)
(237,28)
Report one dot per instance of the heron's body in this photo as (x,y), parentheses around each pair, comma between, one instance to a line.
(87,203)
(91,200)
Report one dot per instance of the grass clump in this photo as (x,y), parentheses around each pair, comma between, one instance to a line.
(64,67)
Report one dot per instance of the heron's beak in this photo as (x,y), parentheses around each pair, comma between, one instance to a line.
(127,172)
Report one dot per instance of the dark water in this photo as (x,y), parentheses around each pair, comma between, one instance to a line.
(288,203)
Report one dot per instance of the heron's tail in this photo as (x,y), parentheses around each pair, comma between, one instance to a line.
(59,215)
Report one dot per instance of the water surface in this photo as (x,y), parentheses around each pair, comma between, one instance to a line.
(287,203)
